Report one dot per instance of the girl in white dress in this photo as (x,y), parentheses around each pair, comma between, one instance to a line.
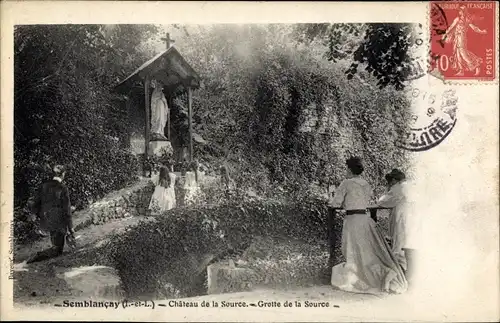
(163,198)
(191,187)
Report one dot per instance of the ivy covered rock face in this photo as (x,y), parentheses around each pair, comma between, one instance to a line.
(260,87)
(284,115)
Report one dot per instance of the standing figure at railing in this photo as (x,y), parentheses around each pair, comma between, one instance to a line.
(403,226)
(395,199)
(370,266)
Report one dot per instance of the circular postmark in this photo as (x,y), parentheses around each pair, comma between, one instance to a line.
(423,58)
(438,26)
(427,46)
(438,21)
(417,67)
(435,119)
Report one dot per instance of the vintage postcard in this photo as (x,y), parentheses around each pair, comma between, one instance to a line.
(249,161)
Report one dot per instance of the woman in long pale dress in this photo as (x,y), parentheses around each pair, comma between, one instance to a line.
(404,225)
(163,198)
(395,199)
(370,266)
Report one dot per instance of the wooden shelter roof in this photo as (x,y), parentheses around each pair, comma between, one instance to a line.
(169,67)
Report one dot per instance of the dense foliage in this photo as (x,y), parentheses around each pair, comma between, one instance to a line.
(155,258)
(279,115)
(260,86)
(65,111)
(383,50)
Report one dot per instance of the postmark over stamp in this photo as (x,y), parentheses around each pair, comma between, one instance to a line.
(435,119)
(463,40)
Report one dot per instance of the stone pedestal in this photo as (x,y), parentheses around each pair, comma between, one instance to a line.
(224,277)
(158,148)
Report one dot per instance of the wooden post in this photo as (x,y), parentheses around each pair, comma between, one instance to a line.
(148,121)
(190,120)
(170,103)
(373,214)
(129,120)
(332,243)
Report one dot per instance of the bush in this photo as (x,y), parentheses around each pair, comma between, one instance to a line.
(152,256)
(24,228)
(89,177)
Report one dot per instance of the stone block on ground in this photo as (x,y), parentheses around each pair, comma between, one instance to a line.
(225,277)
(283,263)
(98,282)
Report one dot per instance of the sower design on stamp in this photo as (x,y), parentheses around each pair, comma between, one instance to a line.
(463,36)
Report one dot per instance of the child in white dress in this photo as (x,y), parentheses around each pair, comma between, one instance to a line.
(191,187)
(163,198)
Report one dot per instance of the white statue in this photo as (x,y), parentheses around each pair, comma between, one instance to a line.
(159,112)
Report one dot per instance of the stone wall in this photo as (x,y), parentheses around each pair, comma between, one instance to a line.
(129,201)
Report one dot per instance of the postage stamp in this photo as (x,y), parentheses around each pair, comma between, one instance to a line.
(463,40)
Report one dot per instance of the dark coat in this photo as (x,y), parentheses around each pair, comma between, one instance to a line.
(52,205)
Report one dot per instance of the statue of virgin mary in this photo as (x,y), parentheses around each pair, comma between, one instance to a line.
(159,112)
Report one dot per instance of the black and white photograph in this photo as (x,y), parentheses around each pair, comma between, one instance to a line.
(235,166)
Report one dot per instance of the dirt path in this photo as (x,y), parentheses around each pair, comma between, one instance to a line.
(38,283)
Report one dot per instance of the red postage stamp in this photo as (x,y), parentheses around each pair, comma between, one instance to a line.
(463,39)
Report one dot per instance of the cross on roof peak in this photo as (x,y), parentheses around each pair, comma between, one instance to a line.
(168,41)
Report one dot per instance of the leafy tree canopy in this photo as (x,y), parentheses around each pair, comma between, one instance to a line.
(383,50)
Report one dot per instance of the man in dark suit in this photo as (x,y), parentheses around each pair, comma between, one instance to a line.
(52,205)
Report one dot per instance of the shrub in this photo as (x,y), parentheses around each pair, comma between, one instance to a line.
(152,256)
(89,177)
(24,228)
(64,111)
